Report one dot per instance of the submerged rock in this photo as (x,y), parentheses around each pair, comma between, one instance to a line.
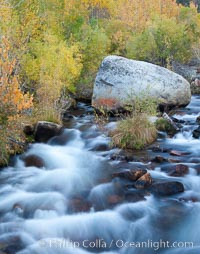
(46,130)
(178,153)
(134,197)
(115,199)
(176,170)
(167,188)
(11,244)
(76,205)
(159,159)
(120,80)
(179,170)
(33,160)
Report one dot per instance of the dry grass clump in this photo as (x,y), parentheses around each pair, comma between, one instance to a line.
(134,132)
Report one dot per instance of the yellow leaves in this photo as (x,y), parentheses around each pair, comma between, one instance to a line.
(5,14)
(12,100)
(89,8)
(137,13)
(56,65)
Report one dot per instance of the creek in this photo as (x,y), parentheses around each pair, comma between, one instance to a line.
(73,205)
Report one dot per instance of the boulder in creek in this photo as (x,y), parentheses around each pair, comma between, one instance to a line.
(175,170)
(198,120)
(28,129)
(167,188)
(46,130)
(132,175)
(120,80)
(196,133)
(33,160)
(143,182)
(179,170)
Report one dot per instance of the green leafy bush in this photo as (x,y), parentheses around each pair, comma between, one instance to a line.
(161,42)
(163,125)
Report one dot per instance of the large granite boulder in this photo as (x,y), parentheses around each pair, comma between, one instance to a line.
(119,80)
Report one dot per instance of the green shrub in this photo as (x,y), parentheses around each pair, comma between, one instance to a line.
(163,125)
(161,42)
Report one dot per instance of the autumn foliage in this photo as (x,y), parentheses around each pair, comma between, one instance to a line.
(12,100)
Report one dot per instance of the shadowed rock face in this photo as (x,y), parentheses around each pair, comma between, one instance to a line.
(119,80)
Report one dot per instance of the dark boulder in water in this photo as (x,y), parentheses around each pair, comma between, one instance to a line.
(196,133)
(179,170)
(132,175)
(46,130)
(33,161)
(143,182)
(167,188)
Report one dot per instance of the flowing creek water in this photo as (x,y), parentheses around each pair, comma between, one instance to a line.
(72,204)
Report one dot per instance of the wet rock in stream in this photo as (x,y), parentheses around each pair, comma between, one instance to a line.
(135,197)
(159,159)
(33,160)
(167,188)
(178,170)
(196,133)
(46,130)
(114,199)
(121,157)
(131,175)
(100,147)
(76,205)
(197,168)
(11,244)
(178,153)
(157,149)
(106,196)
(143,182)
(198,120)
(189,199)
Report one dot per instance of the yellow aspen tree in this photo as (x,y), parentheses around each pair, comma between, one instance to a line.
(137,13)
(12,100)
